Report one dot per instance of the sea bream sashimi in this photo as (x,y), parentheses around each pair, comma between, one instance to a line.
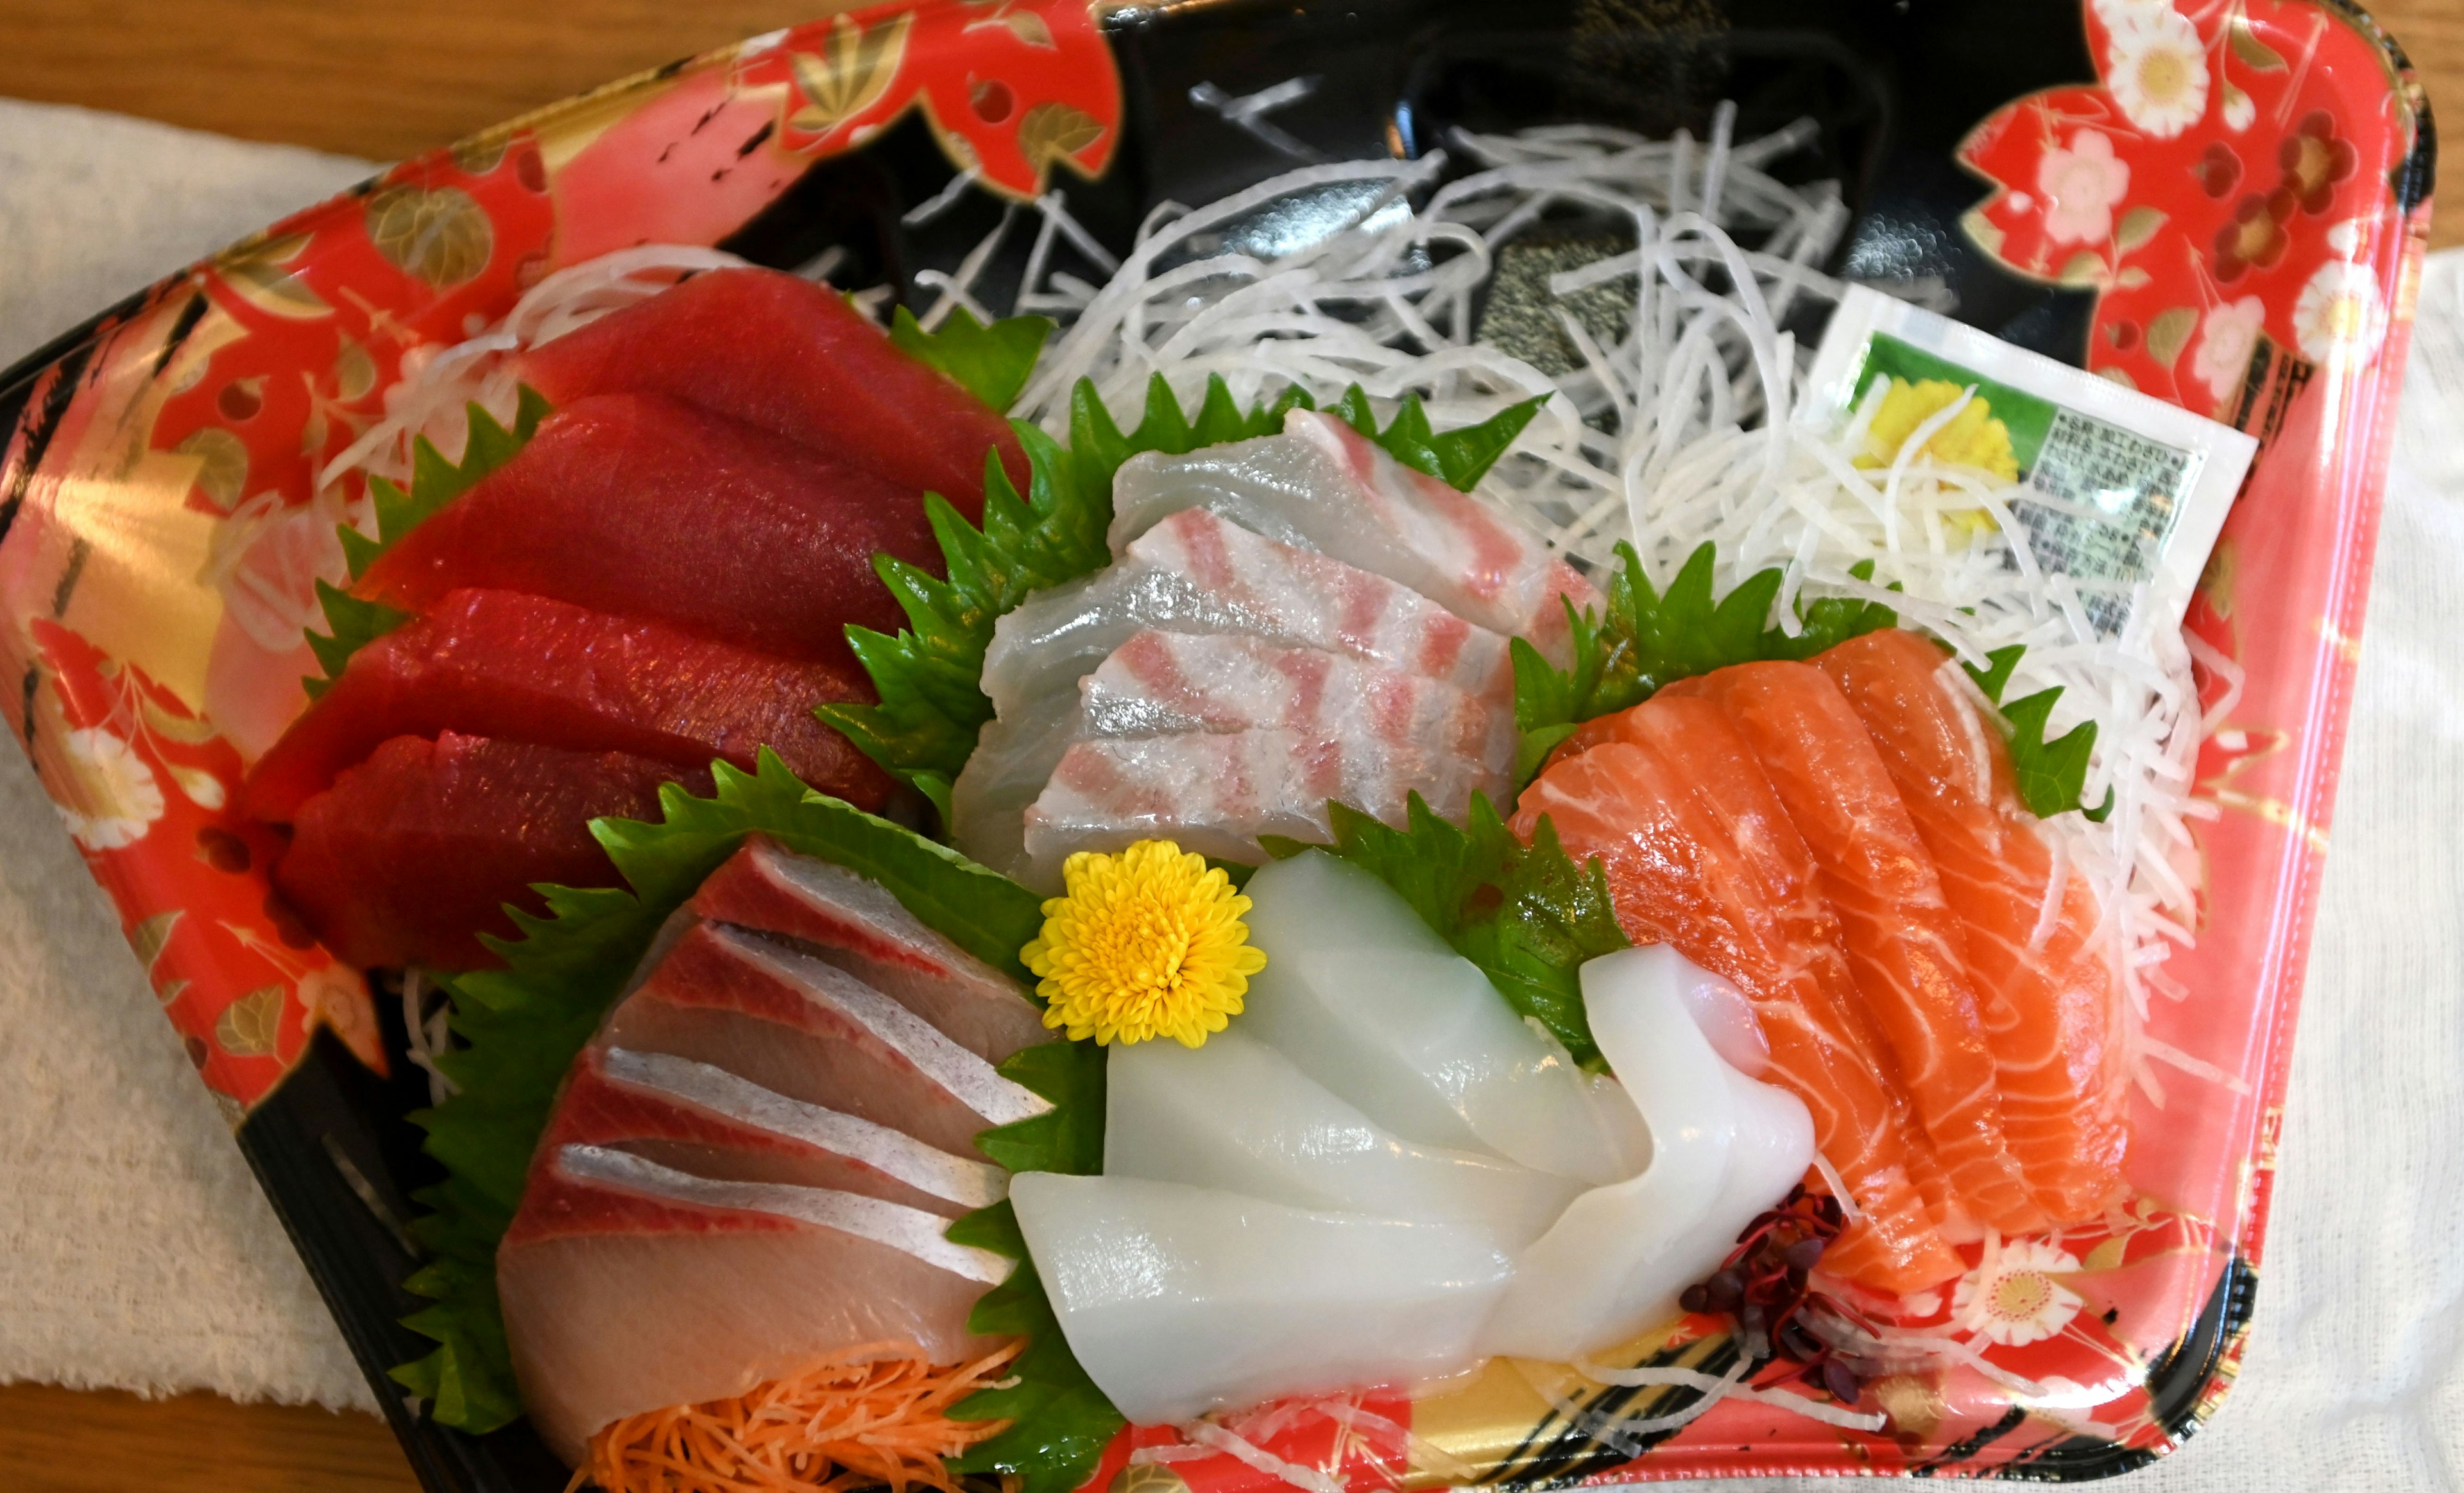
(1216,794)
(2038,952)
(794,358)
(1194,573)
(1162,683)
(1367,1000)
(1322,485)
(628,1287)
(854,923)
(706,1121)
(409,856)
(1237,1116)
(643,507)
(1904,948)
(1723,1148)
(813,1032)
(1699,854)
(1180,1300)
(527,669)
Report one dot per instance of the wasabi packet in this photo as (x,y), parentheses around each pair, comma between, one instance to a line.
(2118,488)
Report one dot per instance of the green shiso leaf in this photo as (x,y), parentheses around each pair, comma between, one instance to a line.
(1064,1420)
(352,623)
(521,1027)
(991,363)
(1649,638)
(1527,915)
(2049,775)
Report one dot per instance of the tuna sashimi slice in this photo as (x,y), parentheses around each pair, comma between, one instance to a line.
(2035,951)
(707,1122)
(1324,486)
(794,358)
(1193,573)
(629,1287)
(1160,683)
(813,1032)
(413,854)
(528,669)
(1180,1300)
(1700,856)
(855,924)
(1903,944)
(1237,1116)
(1216,794)
(641,506)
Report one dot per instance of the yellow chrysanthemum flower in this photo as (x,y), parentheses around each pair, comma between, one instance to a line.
(1974,437)
(1146,944)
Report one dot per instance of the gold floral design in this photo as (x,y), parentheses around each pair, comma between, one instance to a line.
(255,269)
(1053,132)
(849,74)
(247,1026)
(439,233)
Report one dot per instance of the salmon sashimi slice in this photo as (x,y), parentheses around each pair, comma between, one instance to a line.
(812,1031)
(629,1286)
(528,669)
(2035,951)
(1698,855)
(642,506)
(1322,485)
(707,1122)
(1904,948)
(411,854)
(794,358)
(855,924)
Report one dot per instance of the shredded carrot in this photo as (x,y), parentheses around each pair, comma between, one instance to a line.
(838,1426)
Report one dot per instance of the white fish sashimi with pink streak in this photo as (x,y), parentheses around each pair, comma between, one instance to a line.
(629,1286)
(694,1118)
(809,1031)
(1193,573)
(856,925)
(1160,684)
(1216,794)
(1322,486)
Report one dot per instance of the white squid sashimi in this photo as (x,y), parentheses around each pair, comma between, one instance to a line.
(1723,1148)
(1324,486)
(1367,1000)
(1181,1299)
(1237,1116)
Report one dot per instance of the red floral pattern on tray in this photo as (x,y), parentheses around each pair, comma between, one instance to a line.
(2227,189)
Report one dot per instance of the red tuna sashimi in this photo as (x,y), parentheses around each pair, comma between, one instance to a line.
(2050,1004)
(1700,856)
(708,1123)
(413,853)
(629,1287)
(1903,944)
(812,1031)
(792,357)
(853,922)
(642,506)
(527,669)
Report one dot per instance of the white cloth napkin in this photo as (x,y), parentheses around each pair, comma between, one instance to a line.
(135,1250)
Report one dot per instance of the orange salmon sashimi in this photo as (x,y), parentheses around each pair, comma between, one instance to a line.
(1904,946)
(1678,876)
(2045,988)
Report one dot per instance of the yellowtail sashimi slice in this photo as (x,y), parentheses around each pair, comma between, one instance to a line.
(812,1031)
(1367,1000)
(697,1119)
(629,1286)
(1180,1300)
(1324,486)
(1235,1115)
(1723,1148)
(855,924)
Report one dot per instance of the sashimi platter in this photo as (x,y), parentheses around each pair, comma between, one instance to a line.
(1475,799)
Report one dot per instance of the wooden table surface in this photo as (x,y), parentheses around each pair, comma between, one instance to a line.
(382,79)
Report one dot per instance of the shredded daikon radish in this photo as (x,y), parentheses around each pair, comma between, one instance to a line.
(1310,1480)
